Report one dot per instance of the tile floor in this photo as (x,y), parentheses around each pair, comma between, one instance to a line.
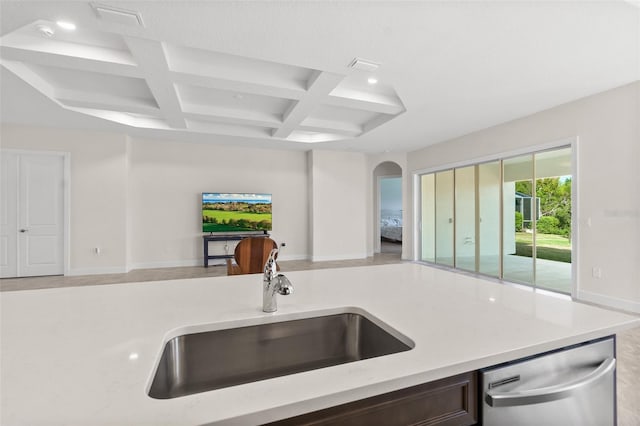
(550,275)
(628,342)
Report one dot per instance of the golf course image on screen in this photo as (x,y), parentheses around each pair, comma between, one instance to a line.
(234,212)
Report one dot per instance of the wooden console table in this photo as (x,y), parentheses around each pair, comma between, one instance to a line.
(229,237)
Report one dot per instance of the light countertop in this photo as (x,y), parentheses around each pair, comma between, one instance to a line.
(86,355)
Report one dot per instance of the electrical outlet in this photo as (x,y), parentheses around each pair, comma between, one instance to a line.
(97,251)
(596,272)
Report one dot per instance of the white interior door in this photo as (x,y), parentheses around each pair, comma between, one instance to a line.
(8,215)
(35,239)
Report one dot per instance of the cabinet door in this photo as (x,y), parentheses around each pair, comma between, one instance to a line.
(451,401)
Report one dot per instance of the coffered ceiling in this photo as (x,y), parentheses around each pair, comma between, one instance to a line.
(280,75)
(151,84)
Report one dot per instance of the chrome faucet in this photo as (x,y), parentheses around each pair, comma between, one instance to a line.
(272,283)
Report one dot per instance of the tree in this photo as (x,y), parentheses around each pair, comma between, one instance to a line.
(518,221)
(548,225)
(555,201)
(523,187)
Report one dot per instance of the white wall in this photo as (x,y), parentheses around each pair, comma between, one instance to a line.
(139,200)
(391,194)
(608,131)
(98,192)
(166,182)
(338,205)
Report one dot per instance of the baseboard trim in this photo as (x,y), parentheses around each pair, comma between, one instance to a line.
(97,271)
(284,258)
(341,257)
(197,262)
(173,263)
(609,301)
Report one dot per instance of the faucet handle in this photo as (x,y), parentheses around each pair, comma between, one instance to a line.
(270,268)
(272,254)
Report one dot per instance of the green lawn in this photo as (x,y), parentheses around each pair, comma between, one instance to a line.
(549,246)
(225,216)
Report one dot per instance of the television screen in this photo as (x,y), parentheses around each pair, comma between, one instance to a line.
(235,212)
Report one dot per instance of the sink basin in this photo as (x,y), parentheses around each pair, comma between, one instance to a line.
(199,362)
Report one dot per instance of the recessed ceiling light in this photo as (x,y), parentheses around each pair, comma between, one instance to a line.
(66,25)
(372,80)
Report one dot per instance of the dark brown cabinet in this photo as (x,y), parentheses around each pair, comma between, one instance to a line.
(451,402)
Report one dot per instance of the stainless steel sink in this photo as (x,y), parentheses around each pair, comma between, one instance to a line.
(204,361)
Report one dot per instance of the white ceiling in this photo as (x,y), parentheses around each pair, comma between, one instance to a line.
(276,74)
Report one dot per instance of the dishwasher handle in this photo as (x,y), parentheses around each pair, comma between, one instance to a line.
(550,393)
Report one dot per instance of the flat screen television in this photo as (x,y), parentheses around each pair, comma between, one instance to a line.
(225,212)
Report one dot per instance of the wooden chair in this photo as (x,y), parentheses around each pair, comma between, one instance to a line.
(250,256)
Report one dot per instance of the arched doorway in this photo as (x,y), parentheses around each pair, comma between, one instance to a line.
(388,200)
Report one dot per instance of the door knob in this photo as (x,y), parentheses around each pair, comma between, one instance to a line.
(23,230)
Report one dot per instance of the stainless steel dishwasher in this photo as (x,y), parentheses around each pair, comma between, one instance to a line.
(572,386)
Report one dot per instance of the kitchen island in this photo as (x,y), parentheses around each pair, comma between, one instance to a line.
(87,355)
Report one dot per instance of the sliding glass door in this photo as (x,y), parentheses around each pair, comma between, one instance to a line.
(553,226)
(465,223)
(444,218)
(509,218)
(518,222)
(488,241)
(428,216)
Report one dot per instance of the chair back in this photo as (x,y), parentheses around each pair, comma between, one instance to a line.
(250,255)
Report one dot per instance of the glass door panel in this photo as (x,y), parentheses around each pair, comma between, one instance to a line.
(444,217)
(518,222)
(465,218)
(553,226)
(489,218)
(428,188)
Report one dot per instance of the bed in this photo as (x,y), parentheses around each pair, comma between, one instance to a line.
(391,228)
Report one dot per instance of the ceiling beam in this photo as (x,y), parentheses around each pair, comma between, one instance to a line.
(318,88)
(106,101)
(54,46)
(50,59)
(26,73)
(330,126)
(227,129)
(155,69)
(236,86)
(128,119)
(379,104)
(235,116)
